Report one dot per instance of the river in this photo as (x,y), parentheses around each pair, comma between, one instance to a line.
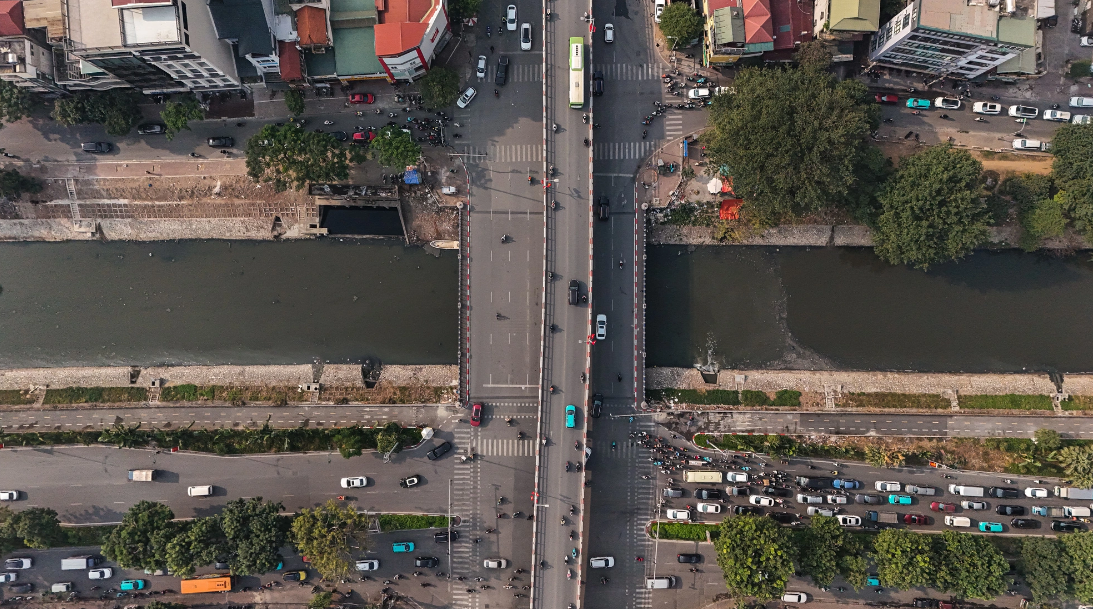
(219,302)
(844,308)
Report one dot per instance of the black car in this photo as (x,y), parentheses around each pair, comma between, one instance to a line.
(1025,523)
(439,451)
(686,558)
(97,147)
(1002,492)
(152,129)
(707,493)
(740,510)
(604,209)
(220,142)
(426,561)
(783,517)
(341,136)
(574,292)
(597,406)
(776,492)
(1010,510)
(867,499)
(502,71)
(442,536)
(1065,526)
(597,83)
(21,588)
(925,603)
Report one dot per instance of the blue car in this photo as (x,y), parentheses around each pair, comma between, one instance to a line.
(916,103)
(899,499)
(405,546)
(571,416)
(990,527)
(847,483)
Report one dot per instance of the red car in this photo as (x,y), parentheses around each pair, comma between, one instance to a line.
(363,137)
(476,415)
(361,98)
(886,99)
(937,506)
(915,519)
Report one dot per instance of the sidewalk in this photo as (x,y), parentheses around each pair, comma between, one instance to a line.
(197,167)
(666,188)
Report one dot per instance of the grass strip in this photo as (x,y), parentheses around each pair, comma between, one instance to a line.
(15,397)
(404,522)
(1010,401)
(95,395)
(684,531)
(915,401)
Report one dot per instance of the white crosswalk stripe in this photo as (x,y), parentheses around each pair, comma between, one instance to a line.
(517,73)
(465,499)
(623,150)
(673,125)
(625,71)
(514,153)
(506,448)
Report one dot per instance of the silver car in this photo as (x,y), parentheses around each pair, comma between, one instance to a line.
(480,71)
(465,99)
(510,18)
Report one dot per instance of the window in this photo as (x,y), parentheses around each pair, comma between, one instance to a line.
(185,17)
(186,38)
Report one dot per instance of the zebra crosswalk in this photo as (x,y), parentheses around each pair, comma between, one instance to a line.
(517,73)
(673,125)
(506,448)
(465,501)
(509,153)
(623,71)
(623,150)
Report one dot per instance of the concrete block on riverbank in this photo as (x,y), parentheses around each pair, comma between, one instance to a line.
(816,235)
(349,375)
(852,236)
(42,230)
(815,381)
(232,376)
(25,378)
(167,229)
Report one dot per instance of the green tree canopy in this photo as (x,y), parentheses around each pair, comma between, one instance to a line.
(1048,440)
(1078,553)
(328,536)
(969,566)
(794,141)
(13,184)
(176,116)
(931,210)
(394,147)
(255,533)
(1077,462)
(819,548)
(15,102)
(904,559)
(196,544)
(440,87)
(1044,566)
(680,24)
(756,556)
(140,541)
(1072,170)
(288,156)
(461,9)
(117,110)
(294,101)
(388,438)
(814,55)
(38,527)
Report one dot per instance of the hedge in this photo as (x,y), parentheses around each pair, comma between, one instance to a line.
(95,395)
(916,401)
(402,522)
(724,397)
(1009,401)
(687,532)
(15,397)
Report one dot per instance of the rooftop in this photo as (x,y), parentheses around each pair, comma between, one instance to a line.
(792,23)
(11,18)
(397,38)
(149,25)
(974,19)
(854,16)
(728,25)
(357,52)
(289,63)
(311,26)
(97,26)
(243,22)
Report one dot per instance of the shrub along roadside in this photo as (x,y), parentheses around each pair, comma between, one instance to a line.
(725,397)
(684,531)
(1005,402)
(95,395)
(917,401)
(402,522)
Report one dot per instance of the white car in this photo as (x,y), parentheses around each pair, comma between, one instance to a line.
(601,327)
(761,500)
(608,33)
(8,576)
(1036,493)
(465,99)
(698,94)
(1081,102)
(1057,115)
(737,477)
(355,482)
(601,562)
(1024,112)
(480,70)
(19,563)
(9,495)
(1081,119)
(709,508)
(525,36)
(948,103)
(671,514)
(986,108)
(837,499)
(205,490)
(849,521)
(794,597)
(1028,145)
(888,487)
(658,8)
(1085,41)
(104,573)
(368,565)
(495,563)
(973,505)
(510,18)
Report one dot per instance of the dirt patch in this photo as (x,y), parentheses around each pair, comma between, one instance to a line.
(997,161)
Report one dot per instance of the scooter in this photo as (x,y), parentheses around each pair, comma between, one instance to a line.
(488,33)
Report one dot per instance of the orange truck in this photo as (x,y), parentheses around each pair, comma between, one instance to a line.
(211,583)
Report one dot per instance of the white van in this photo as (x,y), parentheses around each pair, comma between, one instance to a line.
(1076,512)
(958,521)
(199,491)
(704,476)
(660,582)
(63,587)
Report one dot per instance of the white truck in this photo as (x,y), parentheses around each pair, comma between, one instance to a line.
(704,476)
(967,491)
(78,563)
(1076,512)
(1063,492)
(142,475)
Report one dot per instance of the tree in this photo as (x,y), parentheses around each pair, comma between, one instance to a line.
(1048,439)
(255,533)
(461,9)
(14,102)
(931,209)
(1072,170)
(819,549)
(680,24)
(140,541)
(195,545)
(904,559)
(294,101)
(321,600)
(118,110)
(1044,566)
(289,156)
(756,556)
(814,55)
(1044,219)
(794,142)
(1078,550)
(328,536)
(440,87)
(387,439)
(13,184)
(969,566)
(1077,462)
(37,527)
(176,116)
(393,147)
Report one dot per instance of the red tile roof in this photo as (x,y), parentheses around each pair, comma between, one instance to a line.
(798,16)
(715,5)
(11,18)
(311,26)
(289,61)
(397,38)
(757,22)
(407,11)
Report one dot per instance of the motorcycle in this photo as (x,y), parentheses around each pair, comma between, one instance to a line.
(587,143)
(496,93)
(555,127)
(585,118)
(644,133)
(488,31)
(569,573)
(568,466)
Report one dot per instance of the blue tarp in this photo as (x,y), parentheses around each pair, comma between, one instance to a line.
(411,177)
